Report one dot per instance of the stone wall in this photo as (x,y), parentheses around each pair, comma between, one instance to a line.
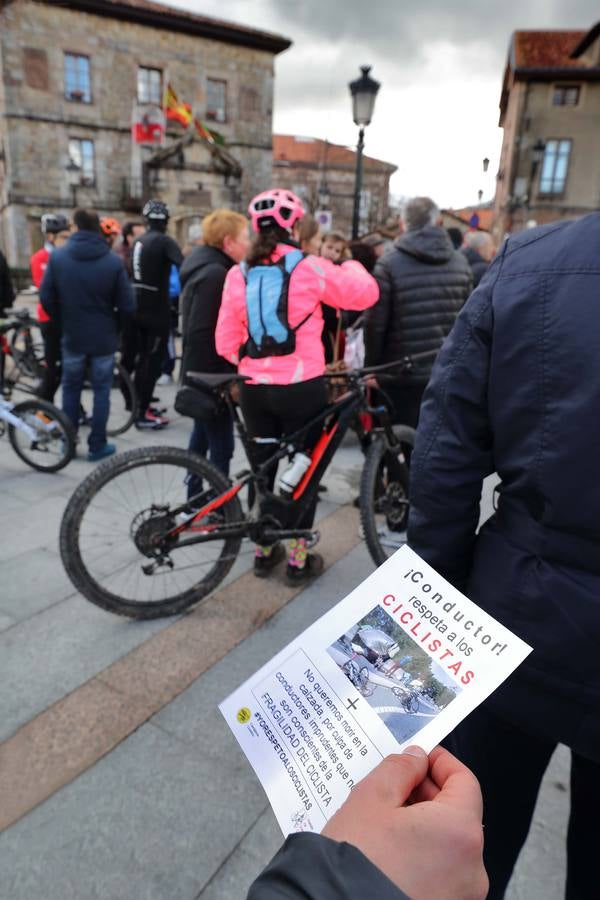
(38,121)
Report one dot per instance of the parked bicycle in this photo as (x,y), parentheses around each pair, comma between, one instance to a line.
(359,676)
(21,353)
(39,433)
(133,541)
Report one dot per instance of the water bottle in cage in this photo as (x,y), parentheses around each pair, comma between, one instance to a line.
(293,474)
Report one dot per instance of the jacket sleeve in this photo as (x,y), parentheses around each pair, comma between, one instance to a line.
(454,447)
(124,299)
(174,254)
(348,286)
(48,292)
(312,867)
(377,318)
(232,330)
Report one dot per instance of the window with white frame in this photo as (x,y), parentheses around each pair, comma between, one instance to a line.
(565,95)
(78,86)
(81,153)
(216,100)
(149,86)
(555,166)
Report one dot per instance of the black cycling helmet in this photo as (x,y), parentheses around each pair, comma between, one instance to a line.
(52,223)
(156,211)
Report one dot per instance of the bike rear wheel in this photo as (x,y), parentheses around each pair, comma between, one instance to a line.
(384,501)
(114,534)
(123,402)
(54,444)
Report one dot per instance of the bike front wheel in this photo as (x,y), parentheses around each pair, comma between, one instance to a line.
(116,539)
(384,501)
(47,444)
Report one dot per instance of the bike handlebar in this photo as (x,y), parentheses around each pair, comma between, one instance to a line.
(405,363)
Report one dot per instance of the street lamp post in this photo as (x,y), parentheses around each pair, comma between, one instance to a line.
(364,91)
(74,178)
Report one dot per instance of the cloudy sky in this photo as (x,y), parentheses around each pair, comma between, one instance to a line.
(440,63)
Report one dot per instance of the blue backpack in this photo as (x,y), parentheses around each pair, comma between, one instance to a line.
(267,287)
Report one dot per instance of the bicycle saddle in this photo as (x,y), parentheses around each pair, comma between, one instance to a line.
(214,379)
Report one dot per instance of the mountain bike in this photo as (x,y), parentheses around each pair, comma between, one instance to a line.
(134,542)
(21,353)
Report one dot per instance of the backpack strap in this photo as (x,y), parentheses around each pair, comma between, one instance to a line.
(290,261)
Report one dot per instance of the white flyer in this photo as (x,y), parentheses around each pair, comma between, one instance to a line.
(401,660)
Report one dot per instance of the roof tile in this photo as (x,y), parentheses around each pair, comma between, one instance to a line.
(546,49)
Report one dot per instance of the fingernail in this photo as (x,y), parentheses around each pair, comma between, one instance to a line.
(415,751)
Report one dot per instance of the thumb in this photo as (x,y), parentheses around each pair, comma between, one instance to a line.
(397,776)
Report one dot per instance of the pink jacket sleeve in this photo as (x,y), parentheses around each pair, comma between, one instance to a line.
(232,331)
(348,286)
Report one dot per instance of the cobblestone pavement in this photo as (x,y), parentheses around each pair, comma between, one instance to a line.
(118,777)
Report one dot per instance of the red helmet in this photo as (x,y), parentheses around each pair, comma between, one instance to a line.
(276,206)
(110,227)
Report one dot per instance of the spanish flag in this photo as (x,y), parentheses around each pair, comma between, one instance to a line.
(175,110)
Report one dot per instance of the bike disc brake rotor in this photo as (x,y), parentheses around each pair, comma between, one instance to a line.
(150,532)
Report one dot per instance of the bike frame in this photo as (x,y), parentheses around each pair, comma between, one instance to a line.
(7,416)
(336,418)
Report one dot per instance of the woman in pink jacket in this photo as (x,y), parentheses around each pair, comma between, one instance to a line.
(270,325)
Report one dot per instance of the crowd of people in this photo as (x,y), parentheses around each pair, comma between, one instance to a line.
(513,390)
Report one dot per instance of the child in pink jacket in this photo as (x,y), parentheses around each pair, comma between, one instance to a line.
(285,391)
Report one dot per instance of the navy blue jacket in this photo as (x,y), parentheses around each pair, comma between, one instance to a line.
(516,390)
(84,289)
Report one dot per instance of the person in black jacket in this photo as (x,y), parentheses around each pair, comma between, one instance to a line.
(412,825)
(7,291)
(226,242)
(153,255)
(479,250)
(516,391)
(423,284)
(84,289)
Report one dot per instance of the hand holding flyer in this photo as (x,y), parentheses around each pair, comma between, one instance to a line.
(403,659)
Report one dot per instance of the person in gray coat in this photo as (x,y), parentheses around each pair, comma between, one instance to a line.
(423,284)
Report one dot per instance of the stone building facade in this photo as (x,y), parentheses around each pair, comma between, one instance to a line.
(72,76)
(549,110)
(323,175)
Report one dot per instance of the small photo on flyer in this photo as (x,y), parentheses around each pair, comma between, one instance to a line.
(398,678)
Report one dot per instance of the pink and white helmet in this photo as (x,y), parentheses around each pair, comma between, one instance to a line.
(276,206)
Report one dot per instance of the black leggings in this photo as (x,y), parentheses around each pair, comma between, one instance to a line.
(151,347)
(53,361)
(273,410)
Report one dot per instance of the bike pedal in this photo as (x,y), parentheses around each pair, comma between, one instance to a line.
(313,540)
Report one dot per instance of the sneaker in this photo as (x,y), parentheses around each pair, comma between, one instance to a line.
(160,412)
(102,453)
(151,420)
(165,379)
(264,564)
(312,567)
